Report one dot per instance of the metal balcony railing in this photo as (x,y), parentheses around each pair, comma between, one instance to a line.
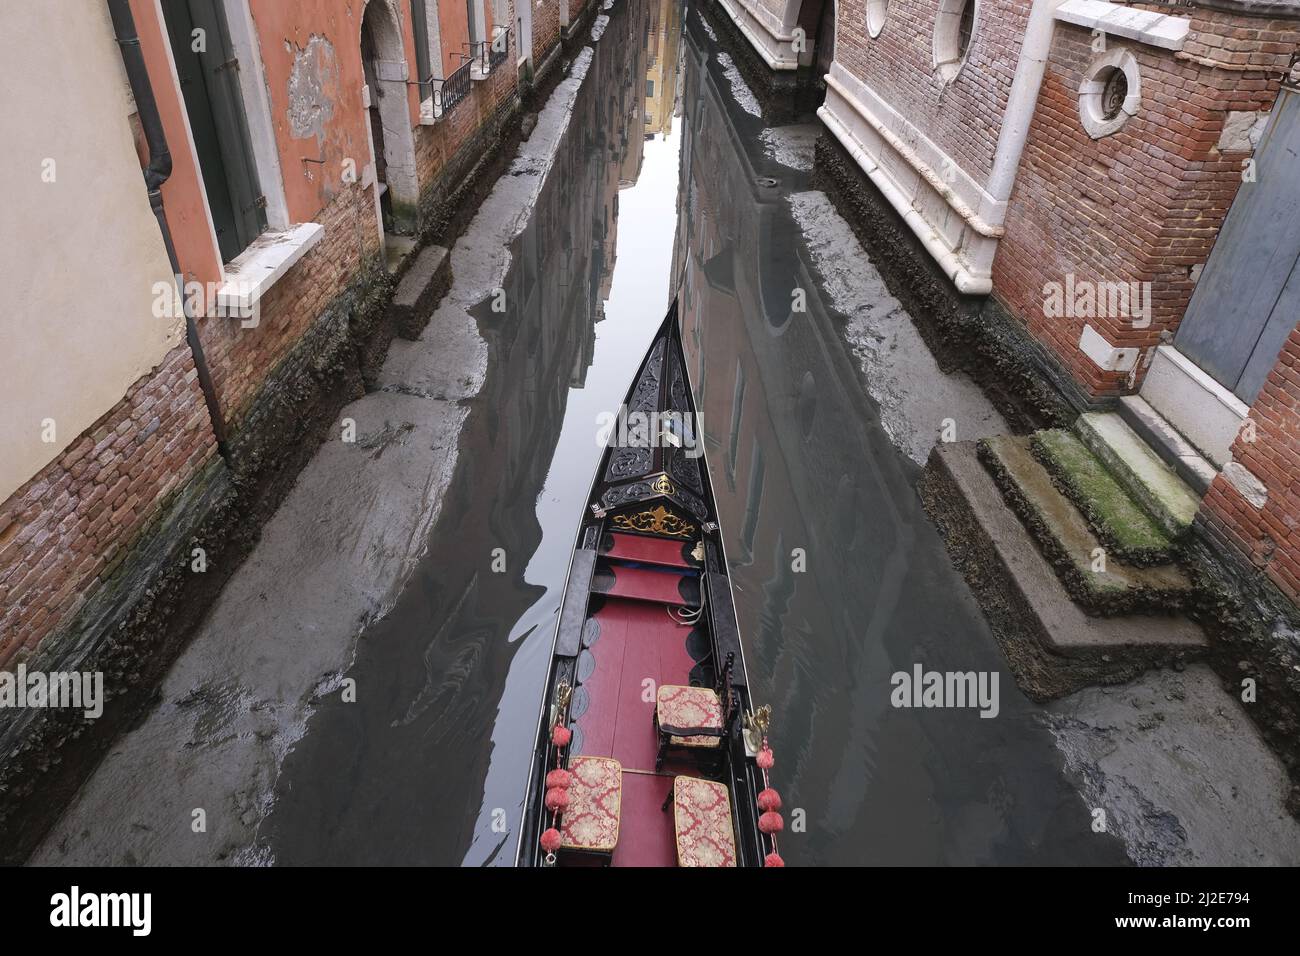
(454,88)
(498,49)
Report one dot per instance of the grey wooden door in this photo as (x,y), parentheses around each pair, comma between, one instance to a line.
(1247,301)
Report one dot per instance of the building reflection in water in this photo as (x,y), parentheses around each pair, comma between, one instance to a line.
(840,580)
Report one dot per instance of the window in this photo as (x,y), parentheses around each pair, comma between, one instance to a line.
(876,10)
(1113,93)
(423,62)
(209,79)
(953,32)
(1110,93)
(649,89)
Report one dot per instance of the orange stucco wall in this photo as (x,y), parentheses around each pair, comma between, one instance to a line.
(311,53)
(453,26)
(187,211)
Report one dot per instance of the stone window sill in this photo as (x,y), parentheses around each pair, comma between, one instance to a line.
(250,274)
(1144,26)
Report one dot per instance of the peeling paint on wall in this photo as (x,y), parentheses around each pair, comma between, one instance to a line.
(313,89)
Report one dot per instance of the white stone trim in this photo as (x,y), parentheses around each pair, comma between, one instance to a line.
(949,58)
(257,110)
(1095,123)
(250,274)
(877,13)
(1247,484)
(1107,357)
(952,214)
(1145,26)
(1203,411)
(771,38)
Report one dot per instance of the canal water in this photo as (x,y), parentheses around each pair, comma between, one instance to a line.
(668,183)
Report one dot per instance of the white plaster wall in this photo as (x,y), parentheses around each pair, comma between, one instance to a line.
(81,254)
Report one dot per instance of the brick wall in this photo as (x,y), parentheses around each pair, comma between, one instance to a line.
(437,146)
(241,359)
(963,117)
(1143,204)
(68,526)
(546,29)
(1269,536)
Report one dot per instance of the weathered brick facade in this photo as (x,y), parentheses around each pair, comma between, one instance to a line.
(1139,207)
(69,526)
(446,150)
(242,359)
(1143,204)
(1270,535)
(962,117)
(546,31)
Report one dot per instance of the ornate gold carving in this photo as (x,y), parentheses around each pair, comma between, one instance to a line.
(657,520)
(662,486)
(697,552)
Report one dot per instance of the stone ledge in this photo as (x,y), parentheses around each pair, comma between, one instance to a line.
(1144,26)
(250,274)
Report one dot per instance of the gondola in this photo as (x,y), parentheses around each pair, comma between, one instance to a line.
(649,751)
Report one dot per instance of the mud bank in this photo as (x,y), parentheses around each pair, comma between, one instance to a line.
(1179,772)
(918,400)
(964,333)
(284,629)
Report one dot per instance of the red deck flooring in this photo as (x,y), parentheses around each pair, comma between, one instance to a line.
(646,836)
(637,642)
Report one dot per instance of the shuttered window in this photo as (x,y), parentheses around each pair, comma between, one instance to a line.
(209,79)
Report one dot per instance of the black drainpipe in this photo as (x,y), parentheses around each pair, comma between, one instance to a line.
(155,174)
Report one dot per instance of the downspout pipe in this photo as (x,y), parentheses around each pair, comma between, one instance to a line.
(1022,99)
(158,170)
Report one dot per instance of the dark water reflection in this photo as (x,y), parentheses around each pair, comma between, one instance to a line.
(429,765)
(803,471)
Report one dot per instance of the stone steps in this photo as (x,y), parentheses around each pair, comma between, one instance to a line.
(1124,528)
(1175,450)
(1152,483)
(424,283)
(1051,644)
(1093,574)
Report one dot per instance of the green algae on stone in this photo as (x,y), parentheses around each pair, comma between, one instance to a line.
(1116,518)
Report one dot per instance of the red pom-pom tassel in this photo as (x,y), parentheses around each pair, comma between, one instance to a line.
(765,759)
(551,840)
(557,798)
(771,822)
(773,859)
(769,799)
(561,736)
(563,779)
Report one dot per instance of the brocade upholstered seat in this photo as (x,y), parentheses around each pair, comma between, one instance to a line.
(590,822)
(689,708)
(702,820)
